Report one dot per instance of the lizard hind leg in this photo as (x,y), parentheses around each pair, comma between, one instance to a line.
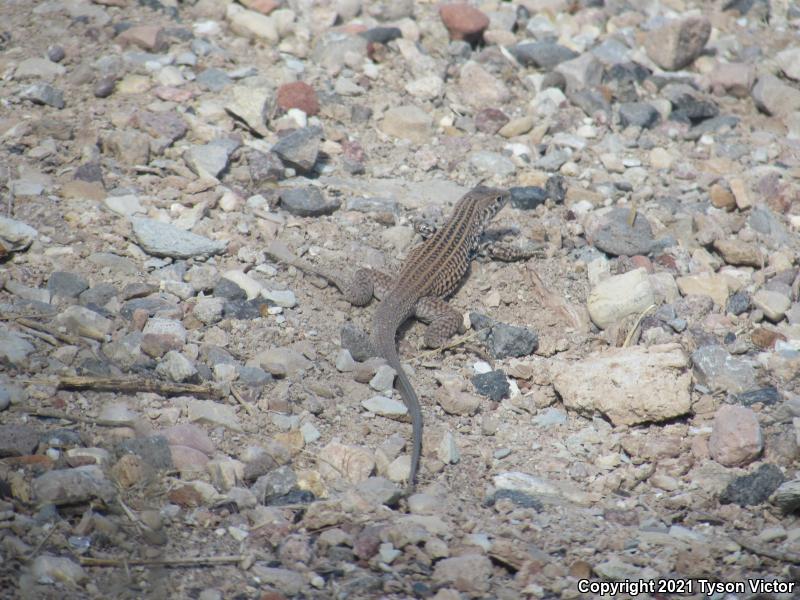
(444,321)
(359,290)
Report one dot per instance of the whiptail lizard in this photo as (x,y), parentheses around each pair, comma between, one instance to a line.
(430,273)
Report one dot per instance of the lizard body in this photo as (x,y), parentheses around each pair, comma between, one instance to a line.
(430,273)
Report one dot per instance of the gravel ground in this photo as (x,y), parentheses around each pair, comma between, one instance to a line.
(183,415)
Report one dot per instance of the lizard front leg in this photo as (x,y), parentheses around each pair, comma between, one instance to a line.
(506,252)
(444,320)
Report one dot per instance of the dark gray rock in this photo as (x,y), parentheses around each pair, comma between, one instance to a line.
(151,305)
(91,171)
(104,86)
(73,486)
(276,483)
(18,440)
(493,384)
(225,288)
(738,303)
(553,160)
(246,309)
(252,376)
(56,53)
(153,450)
(556,187)
(589,100)
(98,295)
(213,80)
(754,488)
(714,125)
(616,237)
(628,72)
(639,114)
(510,340)
(163,239)
(357,342)
(216,355)
(527,197)
(517,497)
(767,395)
(307,202)
(541,55)
(61,438)
(44,93)
(66,284)
(381,35)
(168,125)
(264,167)
(715,368)
(300,148)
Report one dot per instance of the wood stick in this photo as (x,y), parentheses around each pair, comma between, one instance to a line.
(238,397)
(197,561)
(138,384)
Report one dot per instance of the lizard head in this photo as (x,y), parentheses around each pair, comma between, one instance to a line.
(489,201)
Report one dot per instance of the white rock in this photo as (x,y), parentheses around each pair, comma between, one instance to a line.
(208,411)
(250,23)
(620,296)
(627,385)
(427,87)
(85,322)
(387,407)
(250,286)
(251,104)
(447,450)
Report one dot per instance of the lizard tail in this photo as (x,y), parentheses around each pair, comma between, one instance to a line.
(383,339)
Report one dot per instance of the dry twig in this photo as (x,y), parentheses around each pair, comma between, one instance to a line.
(631,333)
(138,384)
(238,397)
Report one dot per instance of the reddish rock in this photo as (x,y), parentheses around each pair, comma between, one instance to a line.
(298,94)
(157,345)
(185,496)
(735,79)
(736,439)
(676,44)
(464,22)
(172,94)
(490,120)
(263,6)
(353,156)
(147,37)
(188,459)
(641,261)
(189,435)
